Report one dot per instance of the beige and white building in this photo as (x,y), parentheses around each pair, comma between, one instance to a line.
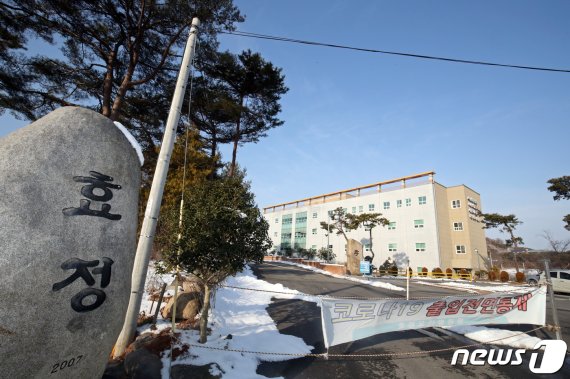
(430,224)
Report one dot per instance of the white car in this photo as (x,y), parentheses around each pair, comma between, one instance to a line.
(560,280)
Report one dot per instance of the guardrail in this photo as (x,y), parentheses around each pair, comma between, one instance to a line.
(341,270)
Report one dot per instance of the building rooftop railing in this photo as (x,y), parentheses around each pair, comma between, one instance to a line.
(356,191)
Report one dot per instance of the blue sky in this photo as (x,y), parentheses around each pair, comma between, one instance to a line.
(354,118)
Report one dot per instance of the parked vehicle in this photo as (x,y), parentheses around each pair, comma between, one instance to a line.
(560,280)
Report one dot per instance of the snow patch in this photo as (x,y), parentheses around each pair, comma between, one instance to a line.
(132,140)
(243,315)
(491,335)
(372,283)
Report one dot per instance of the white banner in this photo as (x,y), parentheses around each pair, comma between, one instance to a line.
(350,320)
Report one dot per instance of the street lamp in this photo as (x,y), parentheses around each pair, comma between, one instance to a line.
(478,261)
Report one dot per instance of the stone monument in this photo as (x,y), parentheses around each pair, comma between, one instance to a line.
(69,186)
(353,257)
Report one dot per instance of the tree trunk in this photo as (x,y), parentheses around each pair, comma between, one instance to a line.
(108,86)
(121,92)
(212,156)
(236,140)
(234,151)
(204,316)
(372,252)
(515,244)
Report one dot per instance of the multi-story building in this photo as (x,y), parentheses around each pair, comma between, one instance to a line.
(430,225)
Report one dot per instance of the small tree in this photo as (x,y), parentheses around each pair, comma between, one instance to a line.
(326,254)
(389,267)
(288,252)
(506,224)
(369,221)
(437,273)
(221,230)
(302,252)
(340,223)
(561,188)
(311,253)
(558,246)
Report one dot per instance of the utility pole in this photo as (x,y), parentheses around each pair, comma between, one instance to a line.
(328,232)
(408,279)
(152,211)
(551,297)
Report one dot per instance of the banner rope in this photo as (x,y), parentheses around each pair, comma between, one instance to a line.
(357,297)
(329,355)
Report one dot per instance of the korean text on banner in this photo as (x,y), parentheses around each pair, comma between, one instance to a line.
(351,320)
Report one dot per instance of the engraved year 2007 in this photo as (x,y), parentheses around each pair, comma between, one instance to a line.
(65,364)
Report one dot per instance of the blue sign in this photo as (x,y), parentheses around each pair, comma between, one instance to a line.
(365,267)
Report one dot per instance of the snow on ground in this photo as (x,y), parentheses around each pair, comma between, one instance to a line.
(436,282)
(242,314)
(372,283)
(487,335)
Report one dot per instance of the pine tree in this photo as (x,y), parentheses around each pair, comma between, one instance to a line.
(254,87)
(119,58)
(561,188)
(506,224)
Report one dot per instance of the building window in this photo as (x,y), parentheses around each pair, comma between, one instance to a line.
(301,218)
(370,207)
(459,249)
(345,210)
(353,209)
(287,220)
(458,226)
(392,247)
(418,224)
(277,221)
(315,215)
(314,231)
(360,208)
(275,234)
(392,225)
(313,247)
(386,205)
(455,204)
(408,202)
(330,214)
(399,203)
(422,200)
(420,246)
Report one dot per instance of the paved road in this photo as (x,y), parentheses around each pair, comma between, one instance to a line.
(302,319)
